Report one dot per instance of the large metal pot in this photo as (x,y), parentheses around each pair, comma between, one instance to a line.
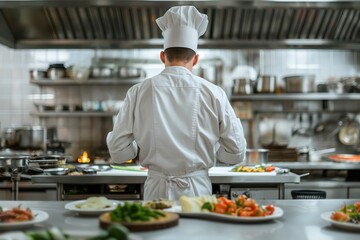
(256,156)
(28,137)
(300,84)
(265,84)
(242,86)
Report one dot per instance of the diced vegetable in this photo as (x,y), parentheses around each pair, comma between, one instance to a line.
(130,212)
(243,207)
(348,213)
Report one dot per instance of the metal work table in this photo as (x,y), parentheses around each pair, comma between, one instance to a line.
(320,165)
(218,175)
(301,219)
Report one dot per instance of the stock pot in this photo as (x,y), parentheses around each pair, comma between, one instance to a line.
(27,137)
(256,156)
(300,84)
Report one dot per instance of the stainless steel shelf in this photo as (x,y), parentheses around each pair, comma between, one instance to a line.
(72,114)
(89,82)
(296,96)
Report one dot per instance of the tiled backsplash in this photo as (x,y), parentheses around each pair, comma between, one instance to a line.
(17,94)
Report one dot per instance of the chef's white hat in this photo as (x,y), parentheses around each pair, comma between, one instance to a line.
(182,26)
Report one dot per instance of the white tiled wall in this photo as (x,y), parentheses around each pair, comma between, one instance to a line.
(16,92)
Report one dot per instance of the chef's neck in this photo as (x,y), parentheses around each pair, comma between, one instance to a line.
(180,63)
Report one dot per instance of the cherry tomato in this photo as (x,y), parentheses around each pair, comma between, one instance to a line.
(269,168)
(270,209)
(220,208)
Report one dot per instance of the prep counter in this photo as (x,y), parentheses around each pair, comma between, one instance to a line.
(218,176)
(301,220)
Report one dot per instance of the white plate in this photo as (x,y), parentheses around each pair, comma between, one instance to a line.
(223,217)
(72,207)
(343,225)
(40,216)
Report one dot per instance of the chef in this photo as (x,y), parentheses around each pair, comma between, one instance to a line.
(177,123)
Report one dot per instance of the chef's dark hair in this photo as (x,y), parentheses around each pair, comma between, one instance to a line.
(179,54)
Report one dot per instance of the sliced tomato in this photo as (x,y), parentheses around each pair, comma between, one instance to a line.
(269,168)
(269,209)
(220,208)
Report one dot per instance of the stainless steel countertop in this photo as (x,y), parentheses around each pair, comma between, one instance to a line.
(320,165)
(301,221)
(217,175)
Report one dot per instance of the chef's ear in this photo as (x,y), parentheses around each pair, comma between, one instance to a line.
(162,57)
(196,59)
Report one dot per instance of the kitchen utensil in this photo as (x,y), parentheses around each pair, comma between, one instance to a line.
(351,158)
(100,167)
(27,137)
(89,170)
(349,132)
(243,71)
(56,71)
(256,156)
(37,74)
(56,171)
(130,72)
(351,84)
(168,220)
(242,86)
(103,71)
(300,84)
(78,73)
(265,84)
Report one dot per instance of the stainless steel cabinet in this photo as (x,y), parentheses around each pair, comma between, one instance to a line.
(29,191)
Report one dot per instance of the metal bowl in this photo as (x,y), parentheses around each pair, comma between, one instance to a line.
(56,171)
(100,167)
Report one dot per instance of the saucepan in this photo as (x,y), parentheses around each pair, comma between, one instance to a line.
(256,156)
(242,86)
(27,137)
(300,84)
(349,132)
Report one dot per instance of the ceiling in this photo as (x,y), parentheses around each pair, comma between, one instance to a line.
(30,24)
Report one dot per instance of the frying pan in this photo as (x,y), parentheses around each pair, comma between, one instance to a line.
(349,132)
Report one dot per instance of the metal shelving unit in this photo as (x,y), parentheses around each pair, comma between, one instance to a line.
(296,96)
(89,82)
(72,114)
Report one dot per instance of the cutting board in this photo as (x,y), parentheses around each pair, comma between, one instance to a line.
(169,220)
(226,171)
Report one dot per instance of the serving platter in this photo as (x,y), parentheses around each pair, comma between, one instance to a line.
(342,225)
(72,207)
(89,234)
(39,216)
(227,170)
(169,220)
(227,218)
(347,158)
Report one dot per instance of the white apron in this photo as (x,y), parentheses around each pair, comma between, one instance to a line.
(159,185)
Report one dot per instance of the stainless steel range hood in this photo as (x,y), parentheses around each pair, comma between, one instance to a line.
(131,24)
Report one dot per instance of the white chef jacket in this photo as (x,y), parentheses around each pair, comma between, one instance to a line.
(180,124)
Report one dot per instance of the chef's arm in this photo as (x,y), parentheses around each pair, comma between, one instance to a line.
(232,141)
(119,151)
(120,140)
